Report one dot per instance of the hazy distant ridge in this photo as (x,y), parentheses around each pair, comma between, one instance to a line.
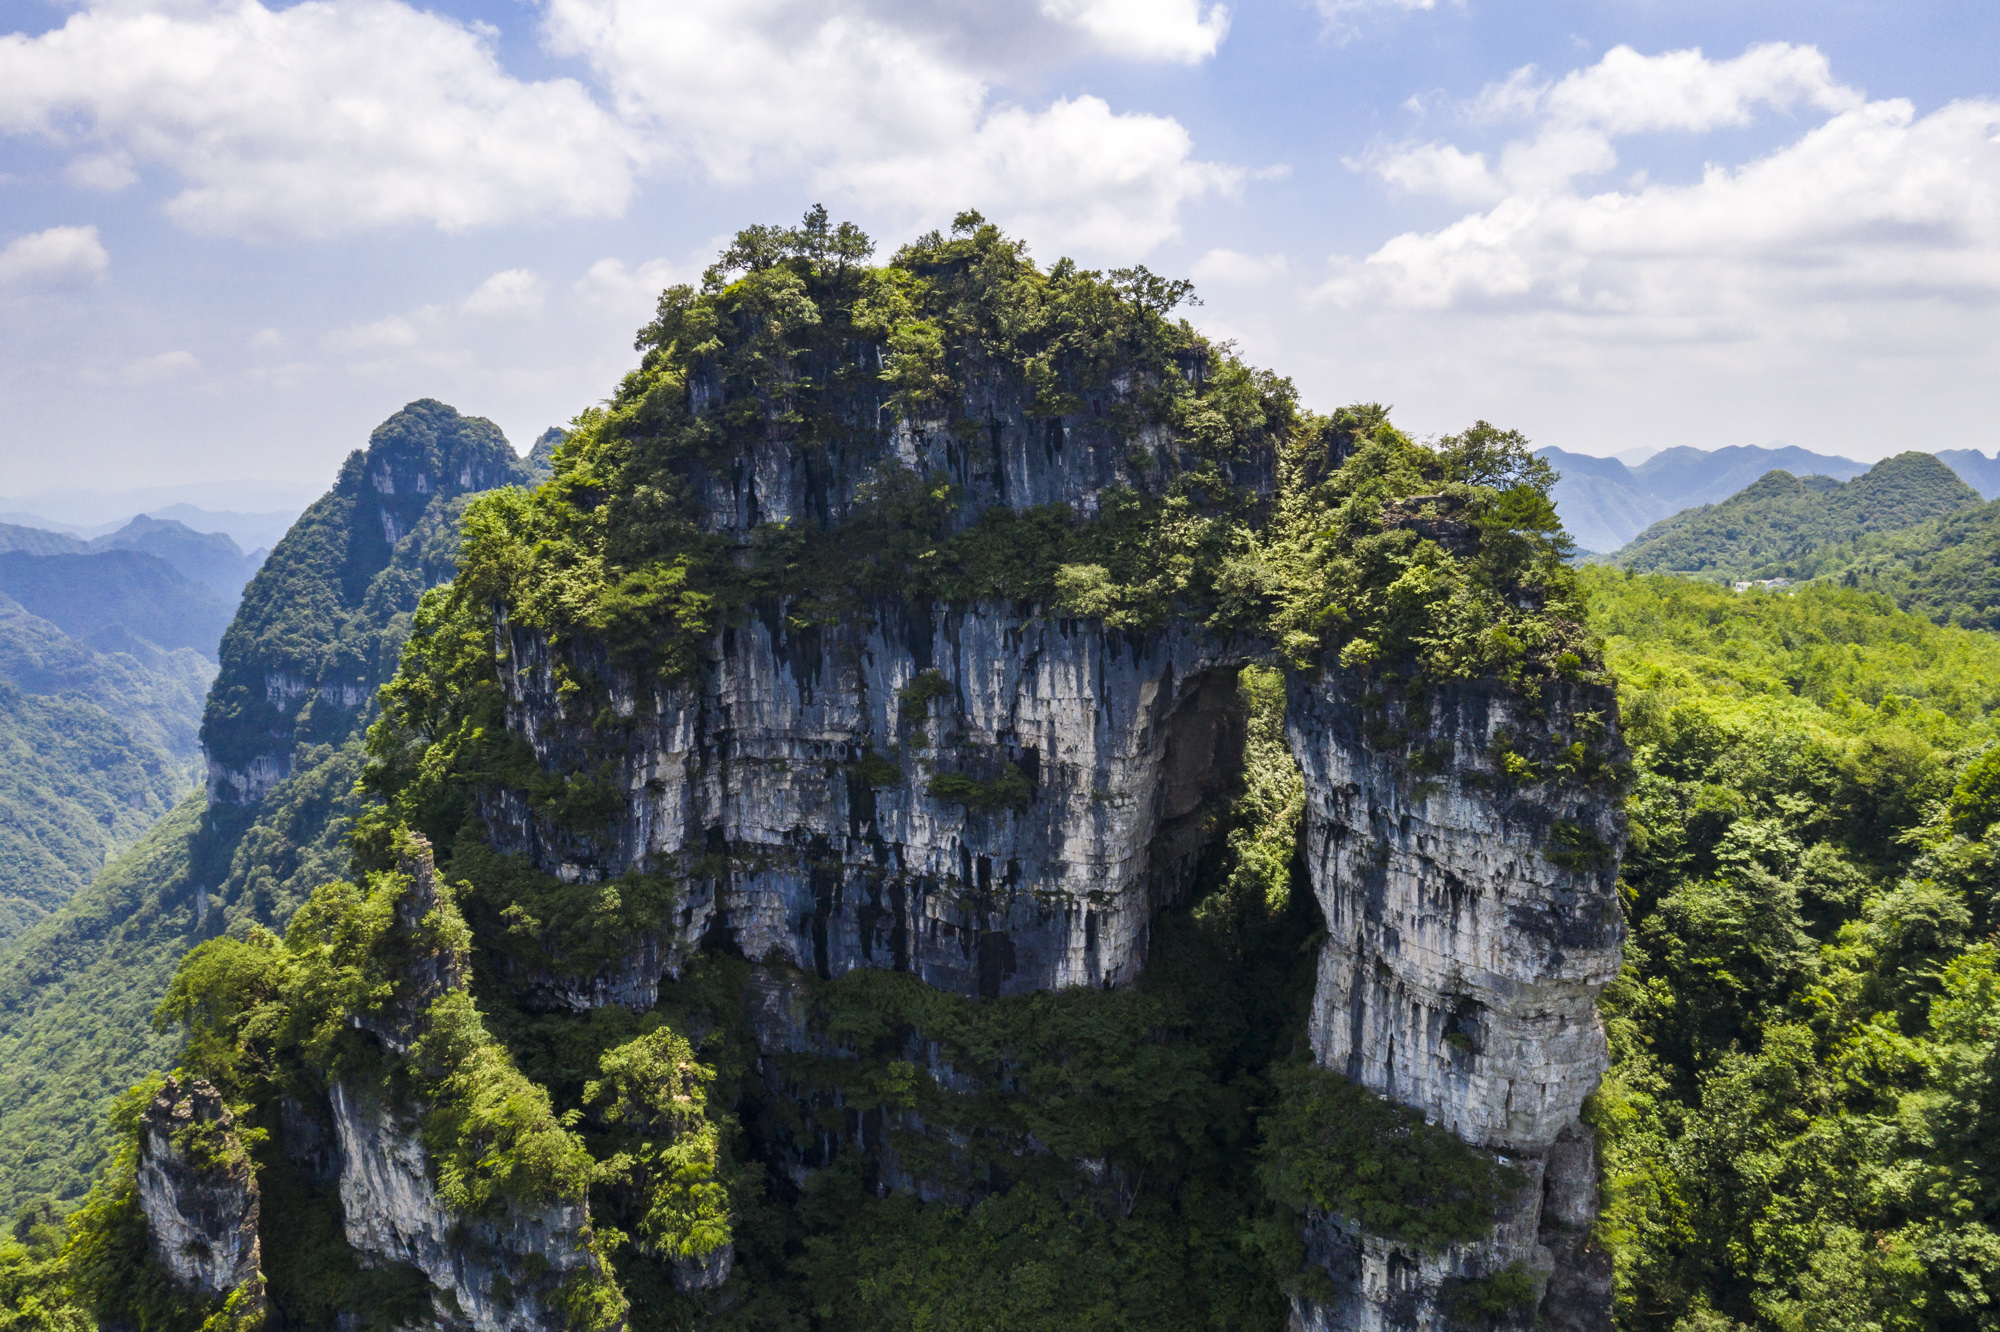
(1605,504)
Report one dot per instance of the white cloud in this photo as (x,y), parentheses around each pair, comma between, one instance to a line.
(610,283)
(314,119)
(393,333)
(513,291)
(1146,29)
(1838,287)
(265,339)
(1626,92)
(884,111)
(1436,168)
(1229,268)
(1078,173)
(148,370)
(1874,204)
(109,172)
(57,257)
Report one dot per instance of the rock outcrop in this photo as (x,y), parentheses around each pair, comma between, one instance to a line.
(199,1193)
(489,1274)
(307,650)
(1472,919)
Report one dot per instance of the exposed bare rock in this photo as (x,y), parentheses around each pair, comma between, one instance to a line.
(499,1272)
(198,1192)
(1472,919)
(804,757)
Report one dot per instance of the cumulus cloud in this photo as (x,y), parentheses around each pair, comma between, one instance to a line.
(612,284)
(1874,204)
(389,334)
(513,291)
(863,103)
(1146,29)
(60,256)
(314,119)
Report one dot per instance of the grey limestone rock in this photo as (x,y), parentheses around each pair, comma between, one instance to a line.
(769,758)
(1461,971)
(198,1191)
(498,1272)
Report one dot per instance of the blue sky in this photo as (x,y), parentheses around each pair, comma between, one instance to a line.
(233,236)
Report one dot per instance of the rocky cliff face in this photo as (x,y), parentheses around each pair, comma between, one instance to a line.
(811,757)
(1472,919)
(491,1274)
(198,1193)
(997,779)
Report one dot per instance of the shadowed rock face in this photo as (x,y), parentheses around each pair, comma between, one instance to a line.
(316,633)
(834,864)
(499,1270)
(198,1192)
(1462,963)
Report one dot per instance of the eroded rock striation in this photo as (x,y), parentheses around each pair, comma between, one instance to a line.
(847,650)
(1471,921)
(199,1193)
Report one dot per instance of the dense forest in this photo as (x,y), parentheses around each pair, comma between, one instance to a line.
(1798,1124)
(1794,1132)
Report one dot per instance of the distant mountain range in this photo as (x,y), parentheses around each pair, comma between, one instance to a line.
(1605,503)
(212,559)
(1785,526)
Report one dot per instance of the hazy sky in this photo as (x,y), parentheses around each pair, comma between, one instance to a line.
(233,236)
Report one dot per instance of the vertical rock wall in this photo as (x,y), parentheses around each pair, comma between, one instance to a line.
(780,758)
(1461,970)
(492,1274)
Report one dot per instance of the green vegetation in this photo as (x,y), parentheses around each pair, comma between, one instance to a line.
(1334,1146)
(1087,1157)
(1792,527)
(1008,790)
(74,785)
(1947,570)
(1796,1128)
(95,745)
(329,608)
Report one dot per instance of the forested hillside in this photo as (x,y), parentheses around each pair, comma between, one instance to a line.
(1606,504)
(1786,526)
(111,599)
(95,746)
(1947,570)
(324,618)
(1799,1126)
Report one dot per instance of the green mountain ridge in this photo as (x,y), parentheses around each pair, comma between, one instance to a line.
(1786,526)
(329,606)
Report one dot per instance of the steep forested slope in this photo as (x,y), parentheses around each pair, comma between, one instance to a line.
(317,633)
(94,747)
(1799,1122)
(212,559)
(870,1149)
(1782,525)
